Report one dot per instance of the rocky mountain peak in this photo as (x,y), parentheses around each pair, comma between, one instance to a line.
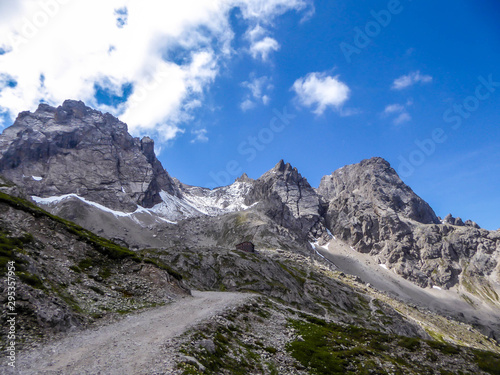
(286,172)
(376,183)
(74,149)
(244,178)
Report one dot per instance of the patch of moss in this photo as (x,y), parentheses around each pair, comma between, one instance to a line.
(410,343)
(31,280)
(102,245)
(75,268)
(487,361)
(86,263)
(163,266)
(443,347)
(105,273)
(270,349)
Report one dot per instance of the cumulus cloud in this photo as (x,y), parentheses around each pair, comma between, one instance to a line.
(264,47)
(258,88)
(410,80)
(261,45)
(167,53)
(321,91)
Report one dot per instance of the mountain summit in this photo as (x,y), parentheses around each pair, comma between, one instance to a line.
(83,165)
(73,149)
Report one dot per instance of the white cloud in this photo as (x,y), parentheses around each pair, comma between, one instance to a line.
(321,91)
(402,118)
(261,45)
(258,87)
(394,108)
(200,136)
(247,104)
(410,80)
(171,52)
(399,111)
(264,47)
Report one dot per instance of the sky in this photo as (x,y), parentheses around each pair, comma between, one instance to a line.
(232,86)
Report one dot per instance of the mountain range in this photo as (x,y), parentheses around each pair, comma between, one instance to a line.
(80,165)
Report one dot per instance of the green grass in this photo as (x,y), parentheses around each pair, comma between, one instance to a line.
(102,245)
(32,280)
(443,347)
(8,246)
(410,343)
(329,348)
(487,361)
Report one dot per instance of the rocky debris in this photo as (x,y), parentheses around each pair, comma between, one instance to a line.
(288,277)
(73,149)
(68,278)
(265,337)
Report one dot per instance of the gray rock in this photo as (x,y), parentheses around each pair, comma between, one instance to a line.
(193,361)
(449,220)
(470,223)
(209,345)
(287,198)
(74,149)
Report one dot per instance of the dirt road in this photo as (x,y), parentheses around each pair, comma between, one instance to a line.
(130,346)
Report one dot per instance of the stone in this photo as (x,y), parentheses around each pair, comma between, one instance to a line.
(73,149)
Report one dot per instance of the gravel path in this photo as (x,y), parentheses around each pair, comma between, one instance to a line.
(130,346)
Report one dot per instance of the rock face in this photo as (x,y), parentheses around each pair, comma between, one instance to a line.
(368,206)
(373,185)
(287,198)
(74,149)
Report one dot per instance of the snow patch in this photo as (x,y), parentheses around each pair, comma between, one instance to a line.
(220,200)
(330,234)
(194,202)
(51,200)
(36,178)
(57,199)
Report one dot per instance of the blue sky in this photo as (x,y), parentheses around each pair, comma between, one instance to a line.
(239,85)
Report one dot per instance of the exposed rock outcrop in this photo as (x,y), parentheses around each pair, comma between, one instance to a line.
(370,207)
(287,198)
(73,149)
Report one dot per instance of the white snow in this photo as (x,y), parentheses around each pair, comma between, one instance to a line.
(194,202)
(316,244)
(220,200)
(436,287)
(383,266)
(36,178)
(52,200)
(330,234)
